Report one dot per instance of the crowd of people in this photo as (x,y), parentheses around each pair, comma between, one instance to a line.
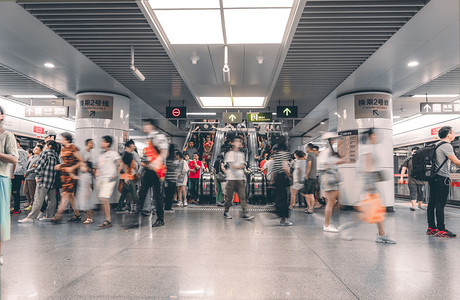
(55,174)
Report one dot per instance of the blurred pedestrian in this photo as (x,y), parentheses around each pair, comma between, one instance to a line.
(416,187)
(30,184)
(8,157)
(19,170)
(280,177)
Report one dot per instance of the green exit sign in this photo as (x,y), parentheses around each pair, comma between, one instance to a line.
(286,112)
(259,117)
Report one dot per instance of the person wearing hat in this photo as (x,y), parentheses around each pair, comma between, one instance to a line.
(50,135)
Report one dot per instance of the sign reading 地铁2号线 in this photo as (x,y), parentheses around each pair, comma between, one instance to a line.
(376,106)
(95,107)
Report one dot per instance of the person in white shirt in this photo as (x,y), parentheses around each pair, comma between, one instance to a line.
(108,167)
(236,179)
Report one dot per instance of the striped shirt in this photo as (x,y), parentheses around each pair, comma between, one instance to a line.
(171,170)
(278,159)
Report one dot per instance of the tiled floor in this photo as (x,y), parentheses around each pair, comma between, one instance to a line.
(200,255)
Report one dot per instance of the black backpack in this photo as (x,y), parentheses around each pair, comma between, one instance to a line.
(423,163)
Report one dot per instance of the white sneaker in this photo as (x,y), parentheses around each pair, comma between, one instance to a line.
(285,223)
(185,203)
(26,220)
(331,228)
(384,239)
(40,215)
(45,219)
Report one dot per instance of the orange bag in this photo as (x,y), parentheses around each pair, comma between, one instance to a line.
(372,210)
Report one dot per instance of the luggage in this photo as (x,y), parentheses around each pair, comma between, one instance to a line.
(423,163)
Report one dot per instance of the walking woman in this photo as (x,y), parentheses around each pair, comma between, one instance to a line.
(330,178)
(181,182)
(8,156)
(71,159)
(30,184)
(280,175)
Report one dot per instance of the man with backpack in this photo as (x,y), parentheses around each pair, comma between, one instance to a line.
(415,186)
(440,183)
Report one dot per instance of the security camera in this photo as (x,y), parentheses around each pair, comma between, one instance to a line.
(137,73)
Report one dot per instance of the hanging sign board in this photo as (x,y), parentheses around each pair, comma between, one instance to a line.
(95,107)
(375,106)
(433,108)
(46,111)
(259,117)
(232,117)
(176,112)
(286,112)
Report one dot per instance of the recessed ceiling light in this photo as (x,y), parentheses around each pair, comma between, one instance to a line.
(203,26)
(256,3)
(248,101)
(183,4)
(33,96)
(413,63)
(436,96)
(322,123)
(216,101)
(49,65)
(256,26)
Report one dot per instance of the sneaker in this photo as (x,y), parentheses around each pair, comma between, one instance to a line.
(285,223)
(185,203)
(227,215)
(40,215)
(247,216)
(15,212)
(412,209)
(445,234)
(384,239)
(158,223)
(26,220)
(345,237)
(28,208)
(330,228)
(430,231)
(45,219)
(180,204)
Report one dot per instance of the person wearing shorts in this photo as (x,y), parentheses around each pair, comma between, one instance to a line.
(416,187)
(310,179)
(108,167)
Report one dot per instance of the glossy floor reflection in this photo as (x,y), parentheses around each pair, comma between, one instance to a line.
(199,255)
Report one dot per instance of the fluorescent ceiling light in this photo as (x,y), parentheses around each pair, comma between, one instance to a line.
(257,3)
(248,101)
(49,65)
(191,26)
(436,96)
(34,96)
(174,4)
(413,63)
(216,101)
(201,114)
(255,26)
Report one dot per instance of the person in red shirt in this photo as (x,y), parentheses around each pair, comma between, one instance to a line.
(194,177)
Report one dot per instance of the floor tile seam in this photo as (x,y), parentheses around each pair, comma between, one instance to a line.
(335,274)
(91,269)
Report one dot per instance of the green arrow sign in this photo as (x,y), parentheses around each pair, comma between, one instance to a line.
(286,111)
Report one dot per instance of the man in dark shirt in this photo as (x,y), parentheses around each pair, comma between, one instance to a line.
(416,187)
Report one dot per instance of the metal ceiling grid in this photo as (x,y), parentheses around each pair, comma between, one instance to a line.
(448,83)
(332,40)
(14,83)
(104,31)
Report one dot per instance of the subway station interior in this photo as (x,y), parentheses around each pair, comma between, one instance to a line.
(229,149)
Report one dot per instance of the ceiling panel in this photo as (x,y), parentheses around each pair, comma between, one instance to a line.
(332,40)
(104,31)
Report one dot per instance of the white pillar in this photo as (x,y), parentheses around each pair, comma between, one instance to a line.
(115,124)
(351,116)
